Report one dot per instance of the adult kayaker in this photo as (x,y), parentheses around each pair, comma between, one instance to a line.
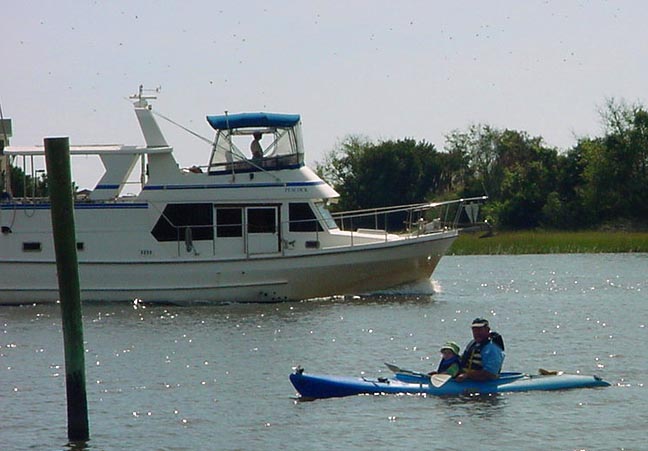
(482,359)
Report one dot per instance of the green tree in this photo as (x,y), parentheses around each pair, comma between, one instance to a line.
(515,170)
(564,208)
(477,149)
(24,185)
(387,173)
(616,165)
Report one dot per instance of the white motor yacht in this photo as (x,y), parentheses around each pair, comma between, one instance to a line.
(236,229)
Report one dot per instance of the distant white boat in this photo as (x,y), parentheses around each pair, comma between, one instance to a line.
(235,229)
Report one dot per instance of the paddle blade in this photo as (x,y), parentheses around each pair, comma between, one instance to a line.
(439,379)
(397,370)
(393,368)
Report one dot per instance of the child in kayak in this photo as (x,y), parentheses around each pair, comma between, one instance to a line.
(450,362)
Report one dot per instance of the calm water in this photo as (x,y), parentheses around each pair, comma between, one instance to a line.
(216,377)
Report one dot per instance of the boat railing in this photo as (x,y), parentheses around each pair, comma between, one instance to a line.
(403,221)
(23,198)
(409,220)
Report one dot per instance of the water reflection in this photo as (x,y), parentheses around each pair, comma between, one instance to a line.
(77,446)
(475,404)
(289,311)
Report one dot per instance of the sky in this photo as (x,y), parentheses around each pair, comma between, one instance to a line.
(378,69)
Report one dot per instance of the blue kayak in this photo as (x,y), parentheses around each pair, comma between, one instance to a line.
(314,386)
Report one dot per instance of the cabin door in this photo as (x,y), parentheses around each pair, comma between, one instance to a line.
(262,229)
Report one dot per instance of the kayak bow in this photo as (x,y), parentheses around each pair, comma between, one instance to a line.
(314,386)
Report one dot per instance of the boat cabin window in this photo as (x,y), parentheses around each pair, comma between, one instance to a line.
(177,218)
(32,246)
(229,222)
(302,218)
(262,220)
(325,215)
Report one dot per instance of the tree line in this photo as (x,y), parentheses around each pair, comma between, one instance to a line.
(600,181)
(26,185)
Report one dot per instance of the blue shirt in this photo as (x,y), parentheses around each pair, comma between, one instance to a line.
(492,358)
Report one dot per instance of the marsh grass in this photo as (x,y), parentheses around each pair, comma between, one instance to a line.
(548,242)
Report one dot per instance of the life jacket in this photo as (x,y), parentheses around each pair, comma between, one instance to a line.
(445,364)
(471,359)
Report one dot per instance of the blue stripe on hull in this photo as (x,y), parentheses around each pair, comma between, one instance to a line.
(232,185)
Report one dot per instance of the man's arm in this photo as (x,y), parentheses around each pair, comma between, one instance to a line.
(477,375)
(492,359)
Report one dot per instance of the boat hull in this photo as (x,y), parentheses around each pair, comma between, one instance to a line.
(273,278)
(312,386)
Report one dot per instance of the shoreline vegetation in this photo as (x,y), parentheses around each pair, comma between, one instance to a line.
(549,242)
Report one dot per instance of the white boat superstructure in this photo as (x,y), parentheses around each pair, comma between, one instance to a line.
(238,228)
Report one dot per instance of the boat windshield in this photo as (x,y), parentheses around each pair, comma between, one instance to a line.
(256,145)
(325,216)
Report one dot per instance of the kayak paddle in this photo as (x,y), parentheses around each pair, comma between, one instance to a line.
(439,379)
(398,370)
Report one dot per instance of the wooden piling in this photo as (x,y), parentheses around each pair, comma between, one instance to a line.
(57,157)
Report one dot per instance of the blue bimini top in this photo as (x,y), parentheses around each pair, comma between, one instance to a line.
(240,120)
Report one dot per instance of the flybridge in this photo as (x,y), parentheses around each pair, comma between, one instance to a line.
(277,135)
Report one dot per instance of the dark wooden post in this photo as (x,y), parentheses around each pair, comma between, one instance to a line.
(57,157)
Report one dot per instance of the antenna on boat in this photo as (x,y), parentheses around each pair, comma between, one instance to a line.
(142,98)
(150,129)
